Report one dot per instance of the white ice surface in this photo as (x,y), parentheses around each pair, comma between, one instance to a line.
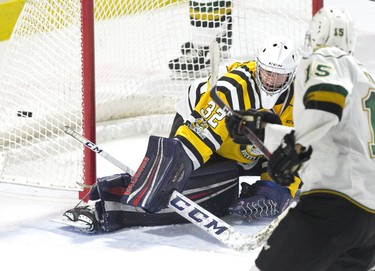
(29,240)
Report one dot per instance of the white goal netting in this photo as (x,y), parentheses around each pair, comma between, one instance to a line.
(41,74)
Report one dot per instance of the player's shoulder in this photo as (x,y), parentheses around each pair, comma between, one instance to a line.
(330,54)
(333,57)
(248,65)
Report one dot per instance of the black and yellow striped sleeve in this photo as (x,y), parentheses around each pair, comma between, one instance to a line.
(239,88)
(326,97)
(204,132)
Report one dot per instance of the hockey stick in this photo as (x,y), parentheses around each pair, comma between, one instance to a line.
(215,59)
(92,146)
(194,213)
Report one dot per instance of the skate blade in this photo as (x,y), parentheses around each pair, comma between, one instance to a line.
(79,225)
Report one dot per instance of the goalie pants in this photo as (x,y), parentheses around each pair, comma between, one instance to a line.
(323,232)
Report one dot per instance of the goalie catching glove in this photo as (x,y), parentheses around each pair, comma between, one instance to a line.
(263,199)
(252,119)
(285,161)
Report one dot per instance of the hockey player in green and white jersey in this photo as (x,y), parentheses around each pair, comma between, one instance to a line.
(333,147)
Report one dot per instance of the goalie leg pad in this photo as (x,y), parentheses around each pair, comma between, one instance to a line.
(110,190)
(214,185)
(112,185)
(166,167)
(112,217)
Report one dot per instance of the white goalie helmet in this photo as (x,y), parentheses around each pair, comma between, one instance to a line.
(277,61)
(332,27)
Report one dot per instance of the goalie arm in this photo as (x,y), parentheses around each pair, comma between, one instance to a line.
(215,61)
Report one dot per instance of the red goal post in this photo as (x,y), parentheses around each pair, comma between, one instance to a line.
(101,67)
(316,5)
(88,87)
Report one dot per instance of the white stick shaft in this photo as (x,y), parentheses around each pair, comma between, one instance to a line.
(92,146)
(218,228)
(208,222)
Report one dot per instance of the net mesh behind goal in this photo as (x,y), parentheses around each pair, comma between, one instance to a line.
(41,74)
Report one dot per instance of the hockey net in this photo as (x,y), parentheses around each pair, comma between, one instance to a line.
(41,78)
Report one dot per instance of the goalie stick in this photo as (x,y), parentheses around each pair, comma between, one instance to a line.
(92,146)
(194,213)
(215,61)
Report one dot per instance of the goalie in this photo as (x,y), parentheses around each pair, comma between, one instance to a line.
(200,158)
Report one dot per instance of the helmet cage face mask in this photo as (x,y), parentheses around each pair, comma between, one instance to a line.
(276,66)
(273,81)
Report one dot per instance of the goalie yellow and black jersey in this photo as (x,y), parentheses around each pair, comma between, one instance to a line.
(204,131)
